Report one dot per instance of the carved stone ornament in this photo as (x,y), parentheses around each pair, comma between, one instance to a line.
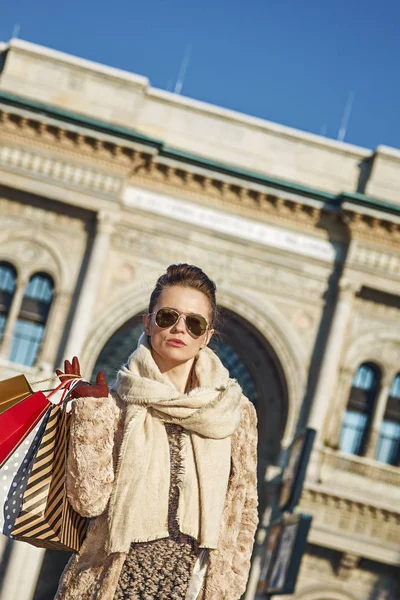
(353,517)
(51,167)
(378,345)
(226,266)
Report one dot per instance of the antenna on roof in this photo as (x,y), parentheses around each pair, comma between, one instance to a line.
(183,69)
(15,31)
(346,116)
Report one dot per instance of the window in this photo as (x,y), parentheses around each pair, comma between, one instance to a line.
(388,448)
(8,278)
(29,328)
(357,419)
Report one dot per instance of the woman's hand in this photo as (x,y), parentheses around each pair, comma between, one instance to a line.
(99,390)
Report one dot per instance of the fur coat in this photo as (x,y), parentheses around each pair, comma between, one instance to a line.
(97,430)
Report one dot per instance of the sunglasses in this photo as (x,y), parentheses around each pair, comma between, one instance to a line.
(167,317)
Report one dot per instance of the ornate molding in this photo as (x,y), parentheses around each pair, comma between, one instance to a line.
(375,259)
(141,164)
(337,513)
(50,167)
(376,309)
(225,223)
(347,565)
(50,135)
(368,468)
(31,252)
(224,266)
(14,212)
(381,346)
(224,192)
(378,229)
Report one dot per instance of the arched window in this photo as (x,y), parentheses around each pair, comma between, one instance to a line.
(357,418)
(29,328)
(8,279)
(388,448)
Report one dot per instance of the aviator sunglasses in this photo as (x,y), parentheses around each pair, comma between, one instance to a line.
(167,317)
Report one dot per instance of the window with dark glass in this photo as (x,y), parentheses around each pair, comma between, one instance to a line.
(388,448)
(8,280)
(29,328)
(357,418)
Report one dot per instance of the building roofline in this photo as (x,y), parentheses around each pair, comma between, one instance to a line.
(190,103)
(83,63)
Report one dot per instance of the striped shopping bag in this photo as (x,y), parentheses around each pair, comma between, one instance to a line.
(47,520)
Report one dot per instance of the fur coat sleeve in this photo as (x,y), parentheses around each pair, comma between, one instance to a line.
(91,454)
(249,520)
(230,564)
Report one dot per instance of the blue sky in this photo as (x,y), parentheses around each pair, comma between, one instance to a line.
(289,61)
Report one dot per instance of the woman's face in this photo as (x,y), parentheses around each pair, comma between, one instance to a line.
(176,344)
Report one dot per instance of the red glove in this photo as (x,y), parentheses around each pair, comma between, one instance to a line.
(99,390)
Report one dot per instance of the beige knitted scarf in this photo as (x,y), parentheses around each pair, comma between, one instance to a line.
(209,415)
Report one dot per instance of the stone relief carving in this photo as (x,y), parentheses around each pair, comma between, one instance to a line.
(377,344)
(29,252)
(51,167)
(376,309)
(15,211)
(352,516)
(224,266)
(376,260)
(32,250)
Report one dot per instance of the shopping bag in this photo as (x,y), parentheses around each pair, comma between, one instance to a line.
(46,519)
(14,477)
(18,421)
(21,418)
(12,391)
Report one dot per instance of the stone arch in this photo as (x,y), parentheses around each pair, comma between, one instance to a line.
(379,346)
(271,325)
(12,248)
(266,321)
(109,321)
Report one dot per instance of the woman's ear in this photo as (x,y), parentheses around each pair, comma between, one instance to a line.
(146,324)
(209,334)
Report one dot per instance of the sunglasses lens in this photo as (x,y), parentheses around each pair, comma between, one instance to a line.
(196,324)
(166,318)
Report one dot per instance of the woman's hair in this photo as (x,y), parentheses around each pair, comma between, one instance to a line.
(186,276)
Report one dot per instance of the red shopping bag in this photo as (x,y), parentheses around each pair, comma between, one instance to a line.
(18,421)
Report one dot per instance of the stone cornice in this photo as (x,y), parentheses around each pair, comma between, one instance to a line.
(51,168)
(147,162)
(340,513)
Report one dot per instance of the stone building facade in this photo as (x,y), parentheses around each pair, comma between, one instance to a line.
(104,181)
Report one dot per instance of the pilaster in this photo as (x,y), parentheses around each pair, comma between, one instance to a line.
(5,345)
(88,292)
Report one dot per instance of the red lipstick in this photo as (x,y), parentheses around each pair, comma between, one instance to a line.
(176,342)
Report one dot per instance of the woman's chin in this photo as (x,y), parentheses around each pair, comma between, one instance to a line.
(176,354)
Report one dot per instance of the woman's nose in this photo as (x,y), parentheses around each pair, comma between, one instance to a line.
(180,324)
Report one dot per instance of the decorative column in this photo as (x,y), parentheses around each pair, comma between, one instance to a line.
(12,317)
(328,374)
(54,328)
(332,426)
(380,407)
(90,286)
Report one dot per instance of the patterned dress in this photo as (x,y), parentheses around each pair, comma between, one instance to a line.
(161,569)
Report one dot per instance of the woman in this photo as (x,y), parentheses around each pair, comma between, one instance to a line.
(166,462)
